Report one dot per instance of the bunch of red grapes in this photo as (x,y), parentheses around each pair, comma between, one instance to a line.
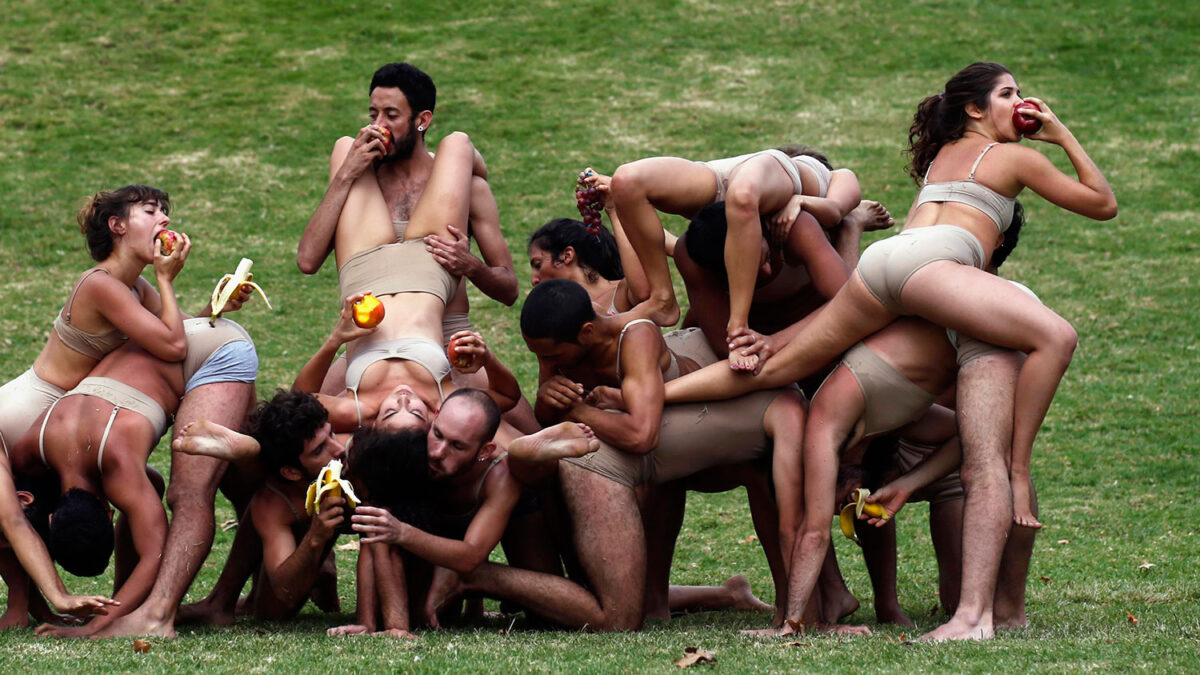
(590,201)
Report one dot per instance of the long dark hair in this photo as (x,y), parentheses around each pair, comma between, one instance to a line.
(597,253)
(93,217)
(942,118)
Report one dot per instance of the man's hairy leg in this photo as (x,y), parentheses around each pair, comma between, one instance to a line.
(986,388)
(190,496)
(609,541)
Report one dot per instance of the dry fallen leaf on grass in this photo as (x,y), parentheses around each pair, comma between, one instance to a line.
(1146,566)
(1064,541)
(140,646)
(693,656)
(229,525)
(1132,618)
(796,644)
(351,545)
(1046,579)
(747,540)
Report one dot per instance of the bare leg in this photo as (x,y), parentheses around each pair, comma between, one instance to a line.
(210,439)
(849,317)
(879,552)
(446,199)
(662,515)
(758,186)
(639,190)
(837,602)
(608,538)
(985,389)
(125,556)
(1009,609)
(950,295)
(16,614)
(567,439)
(190,495)
(245,556)
(945,527)
(735,593)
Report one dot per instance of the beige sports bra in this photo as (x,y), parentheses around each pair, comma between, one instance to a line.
(90,345)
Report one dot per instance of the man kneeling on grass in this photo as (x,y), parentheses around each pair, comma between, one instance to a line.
(449,500)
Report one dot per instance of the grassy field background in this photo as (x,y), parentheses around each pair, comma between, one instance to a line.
(233,107)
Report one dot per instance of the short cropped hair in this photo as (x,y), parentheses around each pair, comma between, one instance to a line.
(283,425)
(556,309)
(80,536)
(491,411)
(417,87)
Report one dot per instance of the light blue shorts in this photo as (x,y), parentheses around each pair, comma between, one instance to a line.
(234,362)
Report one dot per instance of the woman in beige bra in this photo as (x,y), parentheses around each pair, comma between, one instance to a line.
(108,304)
(397,373)
(964,144)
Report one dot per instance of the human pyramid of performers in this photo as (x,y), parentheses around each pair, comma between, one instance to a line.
(831,384)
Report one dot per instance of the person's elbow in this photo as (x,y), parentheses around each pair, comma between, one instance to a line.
(642,441)
(307,263)
(1108,210)
(171,350)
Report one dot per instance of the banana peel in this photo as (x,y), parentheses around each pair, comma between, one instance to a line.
(330,482)
(229,284)
(857,506)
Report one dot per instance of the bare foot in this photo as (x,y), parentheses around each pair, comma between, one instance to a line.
(210,439)
(958,629)
(445,587)
(1011,622)
(892,614)
(349,629)
(397,633)
(205,611)
(568,439)
(743,597)
(869,216)
(607,398)
(662,311)
(14,620)
(137,623)
(744,363)
(843,629)
(837,605)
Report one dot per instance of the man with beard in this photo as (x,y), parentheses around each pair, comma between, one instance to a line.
(402,99)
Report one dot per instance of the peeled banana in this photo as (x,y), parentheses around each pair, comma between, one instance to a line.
(329,481)
(857,506)
(229,284)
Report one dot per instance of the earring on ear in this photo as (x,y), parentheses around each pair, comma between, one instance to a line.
(420,128)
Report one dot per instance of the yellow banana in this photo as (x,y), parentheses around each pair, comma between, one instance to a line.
(857,506)
(329,481)
(229,284)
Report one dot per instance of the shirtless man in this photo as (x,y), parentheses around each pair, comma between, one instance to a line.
(126,403)
(643,444)
(402,99)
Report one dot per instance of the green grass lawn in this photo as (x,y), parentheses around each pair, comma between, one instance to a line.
(233,107)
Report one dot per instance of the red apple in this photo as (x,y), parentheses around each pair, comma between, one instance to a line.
(458,359)
(388,145)
(167,240)
(368,312)
(1024,124)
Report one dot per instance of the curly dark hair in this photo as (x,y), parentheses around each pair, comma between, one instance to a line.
(93,217)
(391,470)
(942,118)
(417,86)
(80,536)
(282,426)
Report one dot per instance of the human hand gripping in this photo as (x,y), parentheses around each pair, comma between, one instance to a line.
(467,351)
(346,330)
(168,266)
(892,497)
(325,521)
(752,350)
(368,146)
(780,224)
(606,398)
(378,525)
(560,393)
(1053,130)
(453,254)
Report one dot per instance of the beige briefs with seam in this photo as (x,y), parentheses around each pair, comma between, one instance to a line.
(890,400)
(908,455)
(405,267)
(693,437)
(887,265)
(723,170)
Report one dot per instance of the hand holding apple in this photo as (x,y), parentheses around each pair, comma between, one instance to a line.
(168,240)
(467,351)
(1026,125)
(368,311)
(388,144)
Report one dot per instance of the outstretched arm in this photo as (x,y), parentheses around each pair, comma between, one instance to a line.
(32,553)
